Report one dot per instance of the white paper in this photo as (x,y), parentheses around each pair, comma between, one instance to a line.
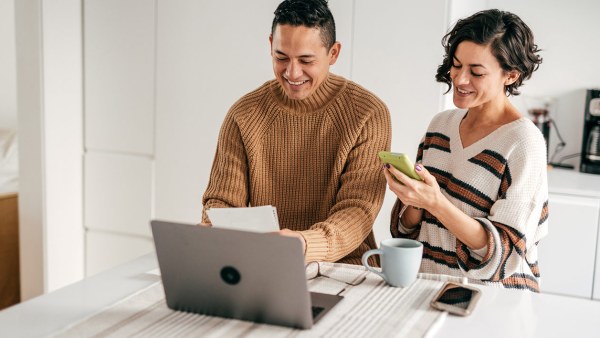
(257,219)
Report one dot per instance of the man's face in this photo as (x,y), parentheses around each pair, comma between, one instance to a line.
(300,60)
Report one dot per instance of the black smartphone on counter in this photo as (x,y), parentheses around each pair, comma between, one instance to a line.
(458,299)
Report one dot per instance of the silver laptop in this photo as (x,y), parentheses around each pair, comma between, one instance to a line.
(237,274)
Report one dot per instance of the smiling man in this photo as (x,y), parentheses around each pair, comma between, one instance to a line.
(306,142)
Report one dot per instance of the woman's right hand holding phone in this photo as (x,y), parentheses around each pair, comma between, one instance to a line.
(423,194)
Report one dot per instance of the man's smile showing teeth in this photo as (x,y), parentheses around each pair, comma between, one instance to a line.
(296,83)
(463,91)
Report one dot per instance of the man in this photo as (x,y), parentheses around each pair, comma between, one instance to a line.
(306,142)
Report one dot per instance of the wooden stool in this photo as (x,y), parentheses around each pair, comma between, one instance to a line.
(9,251)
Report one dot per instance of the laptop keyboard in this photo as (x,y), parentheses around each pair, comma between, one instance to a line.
(316,310)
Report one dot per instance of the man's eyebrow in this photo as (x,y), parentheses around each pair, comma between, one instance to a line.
(277,51)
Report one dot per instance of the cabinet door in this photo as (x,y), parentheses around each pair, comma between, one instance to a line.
(105,250)
(567,254)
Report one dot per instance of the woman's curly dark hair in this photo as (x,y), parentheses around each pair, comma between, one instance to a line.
(510,39)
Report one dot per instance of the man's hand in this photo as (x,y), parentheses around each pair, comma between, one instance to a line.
(291,233)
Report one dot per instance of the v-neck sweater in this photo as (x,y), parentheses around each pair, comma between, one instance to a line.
(500,181)
(314,159)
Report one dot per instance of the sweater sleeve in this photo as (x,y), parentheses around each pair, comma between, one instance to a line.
(516,222)
(359,196)
(228,182)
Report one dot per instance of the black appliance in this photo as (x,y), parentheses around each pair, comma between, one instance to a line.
(590,145)
(541,119)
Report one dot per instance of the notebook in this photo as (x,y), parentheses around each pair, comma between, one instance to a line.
(236,274)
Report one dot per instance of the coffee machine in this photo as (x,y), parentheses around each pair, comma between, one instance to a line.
(590,145)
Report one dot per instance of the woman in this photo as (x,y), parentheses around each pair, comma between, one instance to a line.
(481,208)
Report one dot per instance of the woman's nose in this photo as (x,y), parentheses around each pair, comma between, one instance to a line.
(461,77)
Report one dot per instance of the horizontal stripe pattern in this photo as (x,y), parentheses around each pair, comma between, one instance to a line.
(491,161)
(437,141)
(462,190)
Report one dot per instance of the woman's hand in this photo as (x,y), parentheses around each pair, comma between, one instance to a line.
(424,194)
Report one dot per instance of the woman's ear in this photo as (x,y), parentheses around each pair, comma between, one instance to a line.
(512,77)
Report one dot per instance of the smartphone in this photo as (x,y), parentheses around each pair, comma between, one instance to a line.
(456,298)
(401,162)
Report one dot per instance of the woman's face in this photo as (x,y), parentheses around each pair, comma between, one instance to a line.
(477,77)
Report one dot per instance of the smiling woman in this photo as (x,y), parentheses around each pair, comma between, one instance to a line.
(481,208)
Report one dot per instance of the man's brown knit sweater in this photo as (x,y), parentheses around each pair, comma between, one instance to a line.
(314,159)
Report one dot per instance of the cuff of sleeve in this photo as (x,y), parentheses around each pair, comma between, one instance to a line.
(404,230)
(209,205)
(483,268)
(316,245)
(479,253)
(205,219)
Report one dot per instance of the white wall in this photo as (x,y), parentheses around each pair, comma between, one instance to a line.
(48,44)
(396,53)
(208,56)
(8,90)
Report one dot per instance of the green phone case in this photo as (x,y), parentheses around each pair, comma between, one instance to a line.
(401,162)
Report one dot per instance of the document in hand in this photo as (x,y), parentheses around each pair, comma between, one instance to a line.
(257,219)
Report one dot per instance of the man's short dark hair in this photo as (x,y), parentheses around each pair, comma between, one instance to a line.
(510,39)
(308,13)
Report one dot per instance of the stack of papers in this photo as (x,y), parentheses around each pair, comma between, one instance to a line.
(257,219)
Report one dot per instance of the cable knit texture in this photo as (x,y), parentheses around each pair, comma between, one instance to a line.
(314,159)
(501,182)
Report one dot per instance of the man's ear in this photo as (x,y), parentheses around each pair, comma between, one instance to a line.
(271,44)
(334,52)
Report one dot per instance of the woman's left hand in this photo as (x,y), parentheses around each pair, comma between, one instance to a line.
(420,194)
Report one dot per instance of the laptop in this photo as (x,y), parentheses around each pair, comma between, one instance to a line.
(237,274)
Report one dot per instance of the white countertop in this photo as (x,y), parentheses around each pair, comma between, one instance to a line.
(500,312)
(43,315)
(571,182)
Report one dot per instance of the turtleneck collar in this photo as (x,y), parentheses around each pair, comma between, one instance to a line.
(325,94)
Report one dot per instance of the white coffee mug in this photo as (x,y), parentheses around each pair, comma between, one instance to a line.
(400,260)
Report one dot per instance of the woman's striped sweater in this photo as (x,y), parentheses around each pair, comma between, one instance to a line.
(501,182)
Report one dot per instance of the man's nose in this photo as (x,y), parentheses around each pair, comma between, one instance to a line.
(293,70)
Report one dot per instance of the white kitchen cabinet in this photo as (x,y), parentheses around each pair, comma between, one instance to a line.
(118,193)
(106,250)
(567,254)
(596,291)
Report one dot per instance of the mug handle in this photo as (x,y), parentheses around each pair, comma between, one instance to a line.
(365,260)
